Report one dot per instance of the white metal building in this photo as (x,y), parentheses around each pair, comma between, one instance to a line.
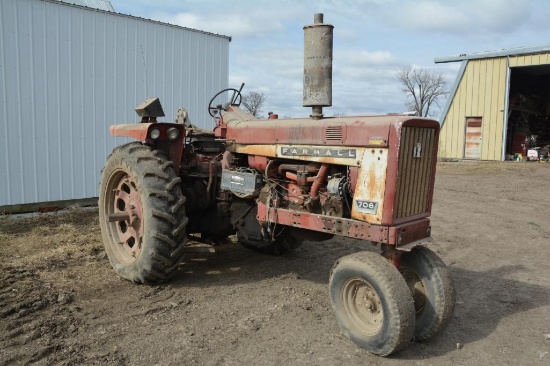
(67,72)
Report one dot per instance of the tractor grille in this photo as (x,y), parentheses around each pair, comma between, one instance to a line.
(334,133)
(414,171)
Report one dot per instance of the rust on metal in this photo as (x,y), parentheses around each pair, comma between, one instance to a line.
(319,179)
(141,132)
(355,131)
(416,163)
(404,234)
(257,162)
(137,131)
(395,198)
(119,216)
(368,200)
(350,156)
(295,193)
(401,236)
(334,131)
(260,150)
(391,253)
(328,224)
(318,66)
(127,203)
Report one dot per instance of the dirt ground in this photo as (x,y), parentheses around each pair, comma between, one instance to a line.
(61,303)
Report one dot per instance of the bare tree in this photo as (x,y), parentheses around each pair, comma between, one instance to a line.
(423,89)
(253,103)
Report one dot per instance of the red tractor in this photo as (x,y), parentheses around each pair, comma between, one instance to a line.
(277,182)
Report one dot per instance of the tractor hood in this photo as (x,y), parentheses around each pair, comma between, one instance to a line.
(364,131)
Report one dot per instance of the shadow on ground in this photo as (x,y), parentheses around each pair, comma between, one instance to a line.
(484,298)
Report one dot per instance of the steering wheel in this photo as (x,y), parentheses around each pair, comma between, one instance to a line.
(237,96)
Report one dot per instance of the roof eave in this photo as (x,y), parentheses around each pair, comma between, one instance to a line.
(492,54)
(64,3)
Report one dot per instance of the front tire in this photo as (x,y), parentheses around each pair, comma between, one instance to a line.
(142,214)
(372,303)
(432,289)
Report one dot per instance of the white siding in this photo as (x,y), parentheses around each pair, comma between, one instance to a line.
(68,72)
(97,4)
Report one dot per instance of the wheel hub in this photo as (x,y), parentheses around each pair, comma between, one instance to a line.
(363,306)
(128,231)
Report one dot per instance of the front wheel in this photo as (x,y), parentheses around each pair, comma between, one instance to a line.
(432,289)
(142,214)
(372,303)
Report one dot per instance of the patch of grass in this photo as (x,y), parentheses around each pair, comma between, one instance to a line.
(52,238)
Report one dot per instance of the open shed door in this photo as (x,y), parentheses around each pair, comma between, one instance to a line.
(472,146)
(529,111)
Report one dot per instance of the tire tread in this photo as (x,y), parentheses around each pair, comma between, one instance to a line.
(165,235)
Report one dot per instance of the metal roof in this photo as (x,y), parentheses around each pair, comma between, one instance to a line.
(529,50)
(96,4)
(81,4)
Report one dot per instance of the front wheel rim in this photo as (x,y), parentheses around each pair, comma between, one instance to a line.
(362,306)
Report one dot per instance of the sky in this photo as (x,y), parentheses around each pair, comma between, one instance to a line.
(373,39)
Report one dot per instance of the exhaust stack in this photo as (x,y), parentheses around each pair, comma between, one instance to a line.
(318,66)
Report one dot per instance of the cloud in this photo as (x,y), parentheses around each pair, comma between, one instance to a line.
(237,25)
(364,82)
(466,17)
(365,58)
(373,39)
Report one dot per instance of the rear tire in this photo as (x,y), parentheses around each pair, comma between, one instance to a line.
(253,236)
(284,244)
(372,303)
(138,182)
(432,289)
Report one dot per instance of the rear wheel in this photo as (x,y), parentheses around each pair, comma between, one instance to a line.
(283,244)
(372,303)
(142,214)
(275,241)
(432,289)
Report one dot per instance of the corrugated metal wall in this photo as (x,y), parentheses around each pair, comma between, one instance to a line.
(481,93)
(68,72)
(530,60)
(97,4)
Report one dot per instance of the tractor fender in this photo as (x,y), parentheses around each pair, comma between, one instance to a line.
(137,131)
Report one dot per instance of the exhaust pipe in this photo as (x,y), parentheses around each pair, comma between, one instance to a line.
(318,66)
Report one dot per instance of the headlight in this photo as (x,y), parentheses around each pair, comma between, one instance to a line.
(154,133)
(173,133)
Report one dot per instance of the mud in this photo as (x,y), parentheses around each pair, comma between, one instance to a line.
(61,303)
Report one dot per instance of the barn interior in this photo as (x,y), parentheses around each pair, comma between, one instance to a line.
(528,134)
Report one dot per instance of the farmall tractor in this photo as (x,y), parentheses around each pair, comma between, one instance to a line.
(277,182)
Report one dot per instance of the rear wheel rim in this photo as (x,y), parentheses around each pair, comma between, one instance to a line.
(362,306)
(418,291)
(126,234)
